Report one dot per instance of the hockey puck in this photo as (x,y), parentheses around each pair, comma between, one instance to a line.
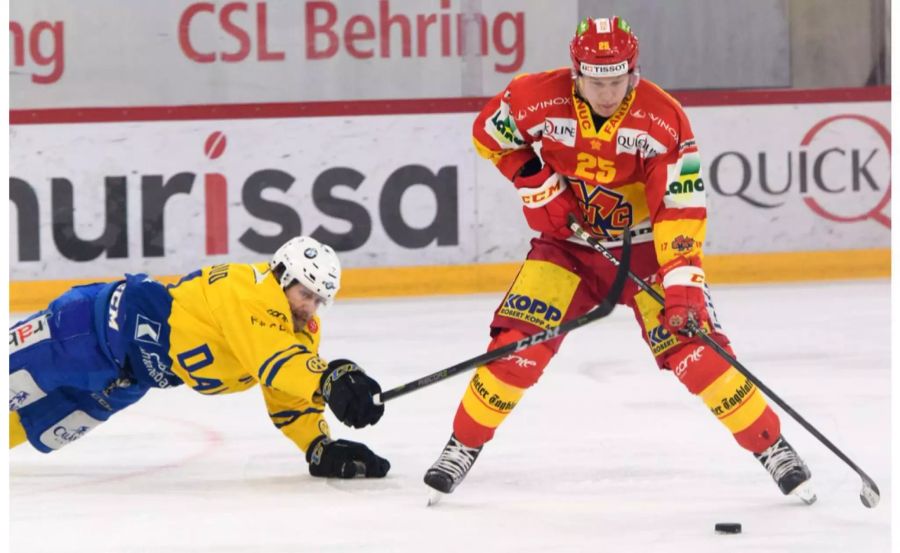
(728,527)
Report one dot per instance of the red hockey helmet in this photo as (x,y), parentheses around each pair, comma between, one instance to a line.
(603,47)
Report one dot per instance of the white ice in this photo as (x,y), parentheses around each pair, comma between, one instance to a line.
(606,453)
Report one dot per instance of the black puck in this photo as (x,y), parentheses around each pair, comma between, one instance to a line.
(728,527)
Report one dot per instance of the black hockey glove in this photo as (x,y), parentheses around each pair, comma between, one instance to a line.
(344,459)
(348,391)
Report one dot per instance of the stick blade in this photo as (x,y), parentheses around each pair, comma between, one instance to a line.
(870,496)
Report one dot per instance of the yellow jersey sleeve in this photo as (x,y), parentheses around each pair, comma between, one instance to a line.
(302,421)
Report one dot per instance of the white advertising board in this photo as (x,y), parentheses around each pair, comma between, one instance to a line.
(97,53)
(796,177)
(93,200)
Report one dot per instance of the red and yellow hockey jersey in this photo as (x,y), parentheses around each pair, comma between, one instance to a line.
(641,168)
(231,327)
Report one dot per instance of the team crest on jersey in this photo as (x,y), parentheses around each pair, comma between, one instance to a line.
(606,211)
(683,244)
(316,364)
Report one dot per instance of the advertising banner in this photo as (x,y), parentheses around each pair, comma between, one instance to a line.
(175,52)
(166,197)
(800,177)
(94,200)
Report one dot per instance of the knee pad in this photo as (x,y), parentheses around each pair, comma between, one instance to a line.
(521,369)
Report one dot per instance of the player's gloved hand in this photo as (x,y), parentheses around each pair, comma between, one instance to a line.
(344,459)
(548,199)
(683,281)
(348,392)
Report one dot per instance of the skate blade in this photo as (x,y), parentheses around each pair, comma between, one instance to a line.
(805,492)
(434,497)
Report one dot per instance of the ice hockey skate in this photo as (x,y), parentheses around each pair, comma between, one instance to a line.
(450,468)
(788,470)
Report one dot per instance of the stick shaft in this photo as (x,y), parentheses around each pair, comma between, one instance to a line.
(708,340)
(605,308)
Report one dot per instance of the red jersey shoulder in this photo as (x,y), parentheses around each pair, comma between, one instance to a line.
(663,115)
(533,96)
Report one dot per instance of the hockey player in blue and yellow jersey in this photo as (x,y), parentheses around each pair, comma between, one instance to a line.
(99,348)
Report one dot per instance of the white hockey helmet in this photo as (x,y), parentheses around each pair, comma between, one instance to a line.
(307,261)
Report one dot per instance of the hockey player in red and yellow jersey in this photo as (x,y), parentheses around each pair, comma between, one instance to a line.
(99,348)
(617,151)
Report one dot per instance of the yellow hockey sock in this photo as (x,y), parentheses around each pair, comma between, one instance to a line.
(488,400)
(16,430)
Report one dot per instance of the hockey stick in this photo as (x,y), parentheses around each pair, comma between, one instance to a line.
(605,308)
(870,496)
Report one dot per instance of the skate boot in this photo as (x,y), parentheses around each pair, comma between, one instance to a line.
(450,468)
(788,470)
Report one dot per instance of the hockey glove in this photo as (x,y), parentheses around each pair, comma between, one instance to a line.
(547,198)
(344,459)
(683,281)
(348,392)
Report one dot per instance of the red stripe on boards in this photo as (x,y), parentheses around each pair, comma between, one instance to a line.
(409,106)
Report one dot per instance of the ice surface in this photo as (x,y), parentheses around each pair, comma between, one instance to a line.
(604,454)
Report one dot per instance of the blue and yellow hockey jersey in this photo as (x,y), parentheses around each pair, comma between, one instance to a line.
(231,327)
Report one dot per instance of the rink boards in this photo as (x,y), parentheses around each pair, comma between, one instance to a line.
(798,188)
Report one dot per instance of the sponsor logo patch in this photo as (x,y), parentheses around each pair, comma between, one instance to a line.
(560,130)
(23,390)
(29,333)
(541,105)
(114,301)
(663,124)
(728,404)
(660,339)
(693,357)
(69,429)
(520,361)
(613,70)
(686,187)
(493,399)
(502,127)
(147,330)
(638,142)
(156,367)
(532,310)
